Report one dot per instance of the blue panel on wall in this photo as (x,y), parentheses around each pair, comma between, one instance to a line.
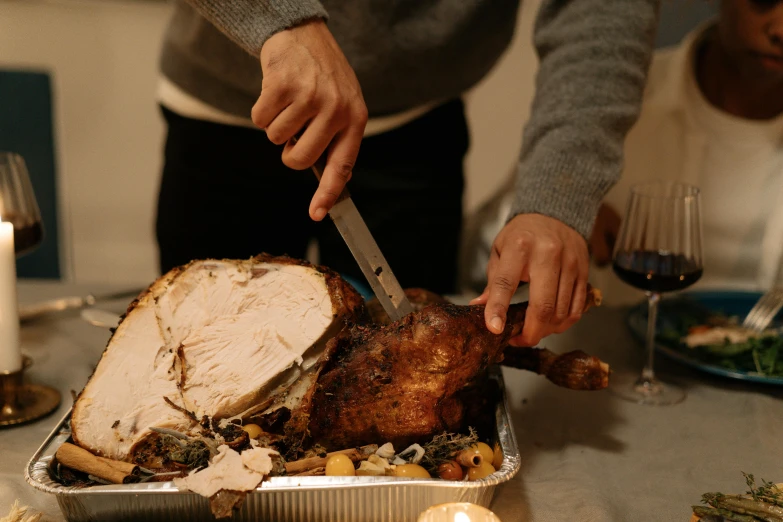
(26,127)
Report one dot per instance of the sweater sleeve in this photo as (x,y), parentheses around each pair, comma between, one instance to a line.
(594,57)
(250,23)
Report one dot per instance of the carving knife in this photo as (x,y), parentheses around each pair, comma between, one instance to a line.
(366,252)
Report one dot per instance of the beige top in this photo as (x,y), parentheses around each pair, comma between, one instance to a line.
(737,164)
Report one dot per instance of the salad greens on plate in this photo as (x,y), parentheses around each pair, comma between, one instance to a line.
(705,330)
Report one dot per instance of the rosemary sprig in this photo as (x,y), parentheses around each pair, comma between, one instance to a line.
(443,447)
(194,455)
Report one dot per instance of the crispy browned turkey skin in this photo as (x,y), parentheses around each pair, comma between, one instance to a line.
(400,382)
(397,383)
(419,298)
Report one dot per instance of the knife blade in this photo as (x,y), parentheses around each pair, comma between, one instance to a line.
(365,250)
(35,310)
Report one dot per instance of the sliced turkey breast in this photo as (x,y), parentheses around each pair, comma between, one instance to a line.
(212,338)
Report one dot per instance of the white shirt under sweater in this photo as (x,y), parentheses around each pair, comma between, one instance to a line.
(737,164)
(177,100)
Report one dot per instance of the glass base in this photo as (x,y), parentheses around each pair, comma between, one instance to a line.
(646,390)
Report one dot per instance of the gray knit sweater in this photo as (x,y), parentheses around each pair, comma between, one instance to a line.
(594,58)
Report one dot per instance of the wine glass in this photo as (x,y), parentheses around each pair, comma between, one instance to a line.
(18,204)
(658,250)
(20,401)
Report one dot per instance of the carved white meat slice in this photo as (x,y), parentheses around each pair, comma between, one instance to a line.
(230,471)
(215,338)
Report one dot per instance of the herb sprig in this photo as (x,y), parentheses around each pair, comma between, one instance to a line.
(443,447)
(760,502)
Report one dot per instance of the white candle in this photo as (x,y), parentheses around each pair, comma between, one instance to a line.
(10,352)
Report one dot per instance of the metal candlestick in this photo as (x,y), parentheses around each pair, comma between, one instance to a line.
(22,402)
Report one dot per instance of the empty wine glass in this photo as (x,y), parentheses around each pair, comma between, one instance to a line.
(658,250)
(18,204)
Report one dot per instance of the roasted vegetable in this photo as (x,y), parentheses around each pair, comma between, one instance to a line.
(764,502)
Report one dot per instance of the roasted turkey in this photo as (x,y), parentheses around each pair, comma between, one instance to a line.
(292,347)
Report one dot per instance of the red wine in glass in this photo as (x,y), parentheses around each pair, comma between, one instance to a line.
(658,272)
(18,204)
(658,250)
(27,235)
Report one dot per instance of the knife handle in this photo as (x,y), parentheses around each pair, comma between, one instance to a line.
(318,169)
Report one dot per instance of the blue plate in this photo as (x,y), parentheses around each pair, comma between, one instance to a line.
(727,302)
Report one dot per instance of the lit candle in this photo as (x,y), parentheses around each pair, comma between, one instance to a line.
(10,353)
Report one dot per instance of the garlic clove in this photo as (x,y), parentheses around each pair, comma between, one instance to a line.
(410,455)
(379,461)
(367,468)
(386,451)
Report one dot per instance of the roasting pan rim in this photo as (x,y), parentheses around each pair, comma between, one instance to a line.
(37,473)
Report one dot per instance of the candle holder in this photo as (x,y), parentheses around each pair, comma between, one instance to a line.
(22,402)
(21,232)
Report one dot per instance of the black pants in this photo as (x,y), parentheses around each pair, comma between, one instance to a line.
(225,193)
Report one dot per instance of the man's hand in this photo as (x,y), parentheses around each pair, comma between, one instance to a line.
(309,83)
(604,236)
(553,258)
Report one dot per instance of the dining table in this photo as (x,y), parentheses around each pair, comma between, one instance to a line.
(586,456)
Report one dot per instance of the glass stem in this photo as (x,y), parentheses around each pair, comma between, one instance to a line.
(648,372)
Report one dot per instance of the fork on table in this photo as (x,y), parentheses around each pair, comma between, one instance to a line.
(765,310)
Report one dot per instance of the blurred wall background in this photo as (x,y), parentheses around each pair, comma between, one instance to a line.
(102,57)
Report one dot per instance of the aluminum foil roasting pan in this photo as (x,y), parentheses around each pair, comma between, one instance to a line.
(279,499)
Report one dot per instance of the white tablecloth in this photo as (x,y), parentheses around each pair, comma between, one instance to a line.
(586,456)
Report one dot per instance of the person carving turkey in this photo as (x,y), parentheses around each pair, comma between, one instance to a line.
(389,76)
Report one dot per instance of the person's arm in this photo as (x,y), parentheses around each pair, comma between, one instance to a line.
(250,23)
(594,57)
(309,88)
